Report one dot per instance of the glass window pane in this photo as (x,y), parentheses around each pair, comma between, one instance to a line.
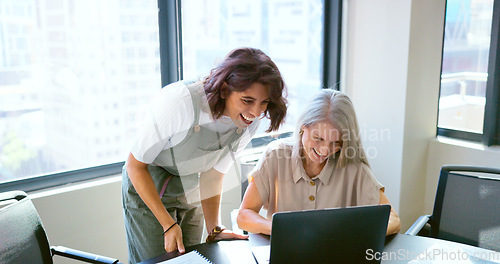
(465,64)
(289,31)
(72,77)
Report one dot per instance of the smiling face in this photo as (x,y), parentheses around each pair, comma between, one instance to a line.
(243,107)
(320,141)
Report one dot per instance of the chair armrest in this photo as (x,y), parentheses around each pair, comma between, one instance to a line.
(418,225)
(81,255)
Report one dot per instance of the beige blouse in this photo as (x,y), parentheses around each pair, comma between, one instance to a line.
(283,184)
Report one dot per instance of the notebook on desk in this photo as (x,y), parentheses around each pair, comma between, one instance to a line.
(340,235)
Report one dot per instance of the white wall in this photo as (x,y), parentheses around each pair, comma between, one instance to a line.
(86,217)
(393,56)
(447,151)
(392,73)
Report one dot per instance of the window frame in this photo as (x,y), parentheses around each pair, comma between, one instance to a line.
(331,50)
(169,15)
(170,41)
(491,128)
(62,178)
(491,124)
(332,32)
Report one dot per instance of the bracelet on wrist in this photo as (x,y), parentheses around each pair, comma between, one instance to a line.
(164,232)
(215,232)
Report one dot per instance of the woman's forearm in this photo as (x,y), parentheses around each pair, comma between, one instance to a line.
(144,186)
(210,192)
(394,224)
(251,221)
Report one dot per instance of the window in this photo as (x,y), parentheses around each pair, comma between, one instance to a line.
(62,63)
(288,31)
(469,83)
(74,74)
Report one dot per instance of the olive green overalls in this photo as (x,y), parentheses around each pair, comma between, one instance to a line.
(175,173)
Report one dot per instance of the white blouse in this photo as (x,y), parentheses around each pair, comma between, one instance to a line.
(167,119)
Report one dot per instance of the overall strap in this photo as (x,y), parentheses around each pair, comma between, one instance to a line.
(194,125)
(196,110)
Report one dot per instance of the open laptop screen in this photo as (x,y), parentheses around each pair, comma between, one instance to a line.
(340,235)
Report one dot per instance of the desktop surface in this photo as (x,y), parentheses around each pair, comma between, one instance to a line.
(399,248)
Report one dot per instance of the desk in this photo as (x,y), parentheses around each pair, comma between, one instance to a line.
(399,248)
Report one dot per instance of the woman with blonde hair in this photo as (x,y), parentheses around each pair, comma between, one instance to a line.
(323,166)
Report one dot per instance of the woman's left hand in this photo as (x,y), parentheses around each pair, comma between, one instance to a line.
(227,234)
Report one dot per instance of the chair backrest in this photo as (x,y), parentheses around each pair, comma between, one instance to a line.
(466,207)
(247,165)
(22,236)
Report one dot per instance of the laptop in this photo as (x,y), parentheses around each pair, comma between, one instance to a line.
(339,235)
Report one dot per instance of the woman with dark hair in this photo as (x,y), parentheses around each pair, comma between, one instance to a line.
(173,175)
(323,166)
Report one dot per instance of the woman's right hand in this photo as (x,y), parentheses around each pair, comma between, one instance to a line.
(143,183)
(173,239)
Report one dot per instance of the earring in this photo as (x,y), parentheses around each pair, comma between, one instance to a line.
(301,132)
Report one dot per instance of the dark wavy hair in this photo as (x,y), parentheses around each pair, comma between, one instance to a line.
(240,69)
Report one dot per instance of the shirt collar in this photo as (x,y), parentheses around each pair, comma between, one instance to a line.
(300,173)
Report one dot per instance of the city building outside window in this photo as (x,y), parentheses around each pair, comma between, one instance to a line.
(288,31)
(465,65)
(72,77)
(75,74)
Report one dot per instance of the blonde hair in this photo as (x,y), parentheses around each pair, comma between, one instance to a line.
(334,107)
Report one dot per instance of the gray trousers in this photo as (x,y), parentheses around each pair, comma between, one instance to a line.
(145,238)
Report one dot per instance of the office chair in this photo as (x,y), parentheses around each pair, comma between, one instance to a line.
(246,166)
(466,207)
(23,238)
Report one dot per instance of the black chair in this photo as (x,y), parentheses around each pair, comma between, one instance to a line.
(23,238)
(466,207)
(246,166)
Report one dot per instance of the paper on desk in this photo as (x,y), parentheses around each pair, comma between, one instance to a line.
(192,257)
(442,254)
(262,254)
